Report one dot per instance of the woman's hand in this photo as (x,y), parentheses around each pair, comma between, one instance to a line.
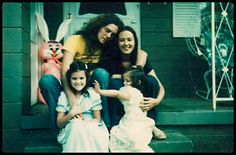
(75,112)
(148,103)
(96,87)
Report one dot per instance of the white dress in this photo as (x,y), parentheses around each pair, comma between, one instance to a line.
(134,131)
(81,135)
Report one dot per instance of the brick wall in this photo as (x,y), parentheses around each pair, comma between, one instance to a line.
(16,68)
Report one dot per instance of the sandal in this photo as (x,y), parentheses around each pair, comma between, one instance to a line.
(158,134)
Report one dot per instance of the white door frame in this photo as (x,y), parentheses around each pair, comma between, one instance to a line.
(35,42)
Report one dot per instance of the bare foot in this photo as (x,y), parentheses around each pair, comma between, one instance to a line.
(158,134)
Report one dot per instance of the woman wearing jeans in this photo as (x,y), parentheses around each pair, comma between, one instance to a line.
(87,46)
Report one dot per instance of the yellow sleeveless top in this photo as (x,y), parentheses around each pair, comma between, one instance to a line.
(77,46)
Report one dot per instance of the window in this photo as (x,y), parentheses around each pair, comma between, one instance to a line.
(186,19)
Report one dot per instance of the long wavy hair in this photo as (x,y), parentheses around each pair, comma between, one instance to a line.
(91,29)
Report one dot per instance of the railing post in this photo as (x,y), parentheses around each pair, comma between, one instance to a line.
(213,54)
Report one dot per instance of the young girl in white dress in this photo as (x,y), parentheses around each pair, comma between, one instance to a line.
(134,131)
(81,126)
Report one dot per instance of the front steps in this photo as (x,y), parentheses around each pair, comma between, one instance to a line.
(176,111)
(43,147)
(190,124)
(175,142)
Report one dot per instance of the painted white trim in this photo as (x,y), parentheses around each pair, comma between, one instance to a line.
(35,41)
(213,55)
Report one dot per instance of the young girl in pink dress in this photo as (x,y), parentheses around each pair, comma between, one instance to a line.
(134,131)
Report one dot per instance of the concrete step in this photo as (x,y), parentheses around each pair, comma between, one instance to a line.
(170,112)
(200,117)
(43,147)
(175,142)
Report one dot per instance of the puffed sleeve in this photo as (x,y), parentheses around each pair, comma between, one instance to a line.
(96,100)
(62,103)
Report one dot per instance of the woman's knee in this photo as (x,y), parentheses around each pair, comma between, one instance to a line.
(115,84)
(152,86)
(152,81)
(47,81)
(100,73)
(102,76)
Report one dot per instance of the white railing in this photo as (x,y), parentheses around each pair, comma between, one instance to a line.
(225,56)
(215,44)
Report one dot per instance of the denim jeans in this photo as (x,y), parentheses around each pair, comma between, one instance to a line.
(103,78)
(51,89)
(151,90)
(116,108)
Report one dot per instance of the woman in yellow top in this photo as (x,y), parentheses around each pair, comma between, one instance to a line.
(86,45)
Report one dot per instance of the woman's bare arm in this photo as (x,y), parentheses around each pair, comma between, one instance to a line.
(161,92)
(141,58)
(68,58)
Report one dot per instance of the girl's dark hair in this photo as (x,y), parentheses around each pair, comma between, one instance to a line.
(75,67)
(137,76)
(91,29)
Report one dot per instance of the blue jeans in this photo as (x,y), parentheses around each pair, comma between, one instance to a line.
(116,108)
(103,78)
(151,90)
(51,89)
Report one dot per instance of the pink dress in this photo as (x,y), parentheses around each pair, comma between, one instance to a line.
(134,131)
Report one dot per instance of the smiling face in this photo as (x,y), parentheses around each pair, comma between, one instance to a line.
(126,42)
(78,80)
(106,33)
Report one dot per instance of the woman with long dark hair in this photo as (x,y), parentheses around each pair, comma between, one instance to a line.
(87,46)
(129,54)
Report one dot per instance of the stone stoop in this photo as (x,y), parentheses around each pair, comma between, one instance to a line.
(175,142)
(43,148)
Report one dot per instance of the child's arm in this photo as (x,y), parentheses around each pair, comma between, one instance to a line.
(121,95)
